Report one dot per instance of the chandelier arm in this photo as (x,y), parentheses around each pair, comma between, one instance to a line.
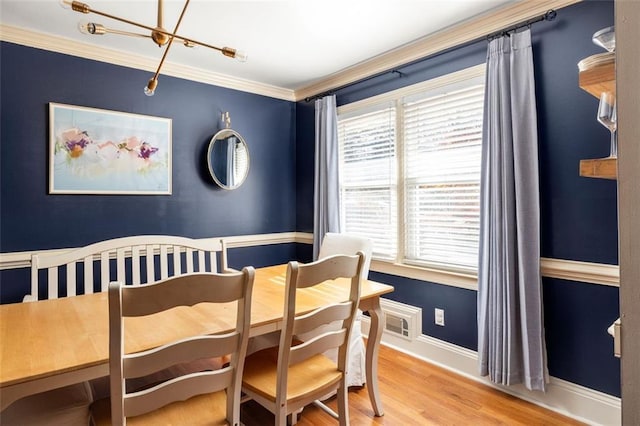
(84,8)
(126,33)
(164,55)
(160,13)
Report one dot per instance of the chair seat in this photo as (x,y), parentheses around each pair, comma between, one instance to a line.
(201,410)
(64,406)
(314,374)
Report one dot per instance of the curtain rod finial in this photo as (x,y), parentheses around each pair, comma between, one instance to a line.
(550,15)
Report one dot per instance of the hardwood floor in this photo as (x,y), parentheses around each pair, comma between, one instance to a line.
(418,393)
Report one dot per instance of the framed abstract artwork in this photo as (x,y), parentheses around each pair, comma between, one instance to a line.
(96,151)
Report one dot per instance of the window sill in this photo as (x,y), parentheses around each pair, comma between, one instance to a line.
(455,279)
(586,272)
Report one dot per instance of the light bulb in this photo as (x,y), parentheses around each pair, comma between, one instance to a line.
(233,53)
(150,88)
(189,44)
(83,27)
(65,4)
(91,28)
(241,56)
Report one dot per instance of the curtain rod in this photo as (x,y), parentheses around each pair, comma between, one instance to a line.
(549,15)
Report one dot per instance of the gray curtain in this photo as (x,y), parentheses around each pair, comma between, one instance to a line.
(511,345)
(326,208)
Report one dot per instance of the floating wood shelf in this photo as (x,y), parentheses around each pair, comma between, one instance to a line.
(595,80)
(605,168)
(598,79)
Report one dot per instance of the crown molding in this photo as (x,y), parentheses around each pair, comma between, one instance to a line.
(464,32)
(84,50)
(472,29)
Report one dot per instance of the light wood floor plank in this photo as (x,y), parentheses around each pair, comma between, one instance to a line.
(415,392)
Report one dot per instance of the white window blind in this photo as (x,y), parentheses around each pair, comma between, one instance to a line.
(442,146)
(368,177)
(410,171)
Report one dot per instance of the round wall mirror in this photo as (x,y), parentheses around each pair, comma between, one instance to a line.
(228,159)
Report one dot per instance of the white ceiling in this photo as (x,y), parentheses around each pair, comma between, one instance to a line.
(290,43)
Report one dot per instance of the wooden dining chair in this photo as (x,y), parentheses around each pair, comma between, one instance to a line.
(199,398)
(294,374)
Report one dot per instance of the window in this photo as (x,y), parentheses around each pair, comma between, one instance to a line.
(410,171)
(368,169)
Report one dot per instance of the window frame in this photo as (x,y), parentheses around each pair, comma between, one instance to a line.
(442,275)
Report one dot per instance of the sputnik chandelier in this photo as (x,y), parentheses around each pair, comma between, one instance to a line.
(159,35)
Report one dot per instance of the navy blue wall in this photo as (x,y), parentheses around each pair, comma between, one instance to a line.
(32,219)
(578,215)
(305,140)
(576,317)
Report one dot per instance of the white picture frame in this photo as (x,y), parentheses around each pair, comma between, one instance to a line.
(98,151)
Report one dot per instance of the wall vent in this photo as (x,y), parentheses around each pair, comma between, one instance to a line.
(401,320)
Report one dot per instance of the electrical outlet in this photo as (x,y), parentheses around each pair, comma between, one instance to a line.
(439,316)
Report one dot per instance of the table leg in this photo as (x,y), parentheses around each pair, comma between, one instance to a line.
(372,306)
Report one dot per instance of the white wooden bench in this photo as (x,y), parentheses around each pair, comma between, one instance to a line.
(134,260)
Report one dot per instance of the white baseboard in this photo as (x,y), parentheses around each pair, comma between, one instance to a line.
(572,400)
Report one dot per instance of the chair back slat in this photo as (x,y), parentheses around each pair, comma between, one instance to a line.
(322,316)
(165,295)
(127,258)
(317,345)
(179,389)
(157,359)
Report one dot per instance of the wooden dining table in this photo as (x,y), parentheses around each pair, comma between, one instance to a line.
(53,343)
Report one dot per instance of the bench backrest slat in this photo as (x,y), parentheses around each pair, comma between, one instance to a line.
(130,256)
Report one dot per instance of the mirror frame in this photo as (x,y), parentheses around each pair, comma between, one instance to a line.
(222,135)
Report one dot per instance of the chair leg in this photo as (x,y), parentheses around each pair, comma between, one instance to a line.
(343,405)
(293,417)
(281,417)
